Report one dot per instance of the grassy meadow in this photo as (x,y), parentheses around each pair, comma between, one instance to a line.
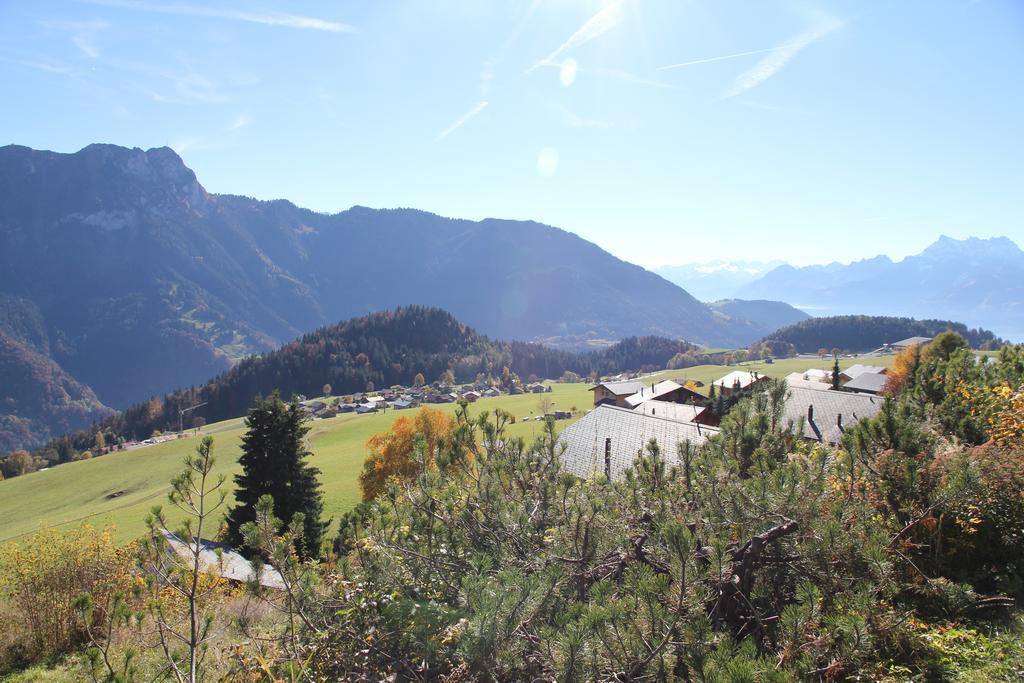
(118,489)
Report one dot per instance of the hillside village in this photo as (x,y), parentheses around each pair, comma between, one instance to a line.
(628,413)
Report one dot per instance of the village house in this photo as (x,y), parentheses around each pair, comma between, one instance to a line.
(826,415)
(666,391)
(615,393)
(739,380)
(684,412)
(897,346)
(855,371)
(222,560)
(608,439)
(867,383)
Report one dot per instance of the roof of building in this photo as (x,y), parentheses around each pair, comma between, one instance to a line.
(859,369)
(798,379)
(911,341)
(744,377)
(629,432)
(651,392)
(231,564)
(684,412)
(871,382)
(828,407)
(624,388)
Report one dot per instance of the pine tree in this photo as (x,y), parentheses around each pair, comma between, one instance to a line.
(835,373)
(274,463)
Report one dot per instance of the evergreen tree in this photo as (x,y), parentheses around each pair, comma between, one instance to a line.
(835,372)
(274,463)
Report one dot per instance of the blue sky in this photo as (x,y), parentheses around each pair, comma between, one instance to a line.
(665,131)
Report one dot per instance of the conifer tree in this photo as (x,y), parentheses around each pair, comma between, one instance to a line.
(835,372)
(274,463)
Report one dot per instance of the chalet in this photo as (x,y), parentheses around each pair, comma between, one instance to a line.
(491,392)
(222,560)
(806,380)
(364,408)
(470,396)
(537,388)
(867,383)
(739,380)
(855,371)
(402,404)
(346,408)
(826,415)
(615,393)
(896,347)
(684,412)
(608,439)
(666,390)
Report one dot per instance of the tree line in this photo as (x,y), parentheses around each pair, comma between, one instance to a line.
(861,333)
(377,350)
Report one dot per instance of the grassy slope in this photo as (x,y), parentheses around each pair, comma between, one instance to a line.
(84,491)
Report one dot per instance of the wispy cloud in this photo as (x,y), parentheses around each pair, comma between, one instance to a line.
(83,33)
(477,108)
(616,74)
(48,67)
(241,121)
(594,27)
(772,63)
(721,58)
(574,120)
(252,17)
(620,75)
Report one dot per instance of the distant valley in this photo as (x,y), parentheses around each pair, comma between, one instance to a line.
(976,281)
(121,278)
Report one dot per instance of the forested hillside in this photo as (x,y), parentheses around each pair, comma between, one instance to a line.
(119,266)
(860,333)
(377,350)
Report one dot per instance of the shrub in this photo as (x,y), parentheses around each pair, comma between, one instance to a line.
(42,576)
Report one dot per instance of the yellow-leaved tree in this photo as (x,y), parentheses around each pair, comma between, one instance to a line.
(392,452)
(903,368)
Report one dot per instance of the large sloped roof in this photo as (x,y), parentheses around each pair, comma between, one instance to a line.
(649,393)
(828,407)
(629,432)
(624,388)
(684,412)
(867,381)
(231,564)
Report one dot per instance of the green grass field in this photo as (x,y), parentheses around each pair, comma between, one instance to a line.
(119,489)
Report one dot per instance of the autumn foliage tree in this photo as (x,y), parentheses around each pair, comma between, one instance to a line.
(903,368)
(392,452)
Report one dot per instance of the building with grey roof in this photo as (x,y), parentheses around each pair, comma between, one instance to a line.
(858,369)
(807,381)
(867,382)
(739,379)
(666,390)
(826,415)
(909,341)
(608,439)
(230,564)
(615,393)
(684,412)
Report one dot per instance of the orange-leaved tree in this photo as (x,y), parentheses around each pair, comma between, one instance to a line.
(392,453)
(903,369)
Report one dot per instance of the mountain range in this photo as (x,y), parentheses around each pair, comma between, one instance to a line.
(716,279)
(121,278)
(976,281)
